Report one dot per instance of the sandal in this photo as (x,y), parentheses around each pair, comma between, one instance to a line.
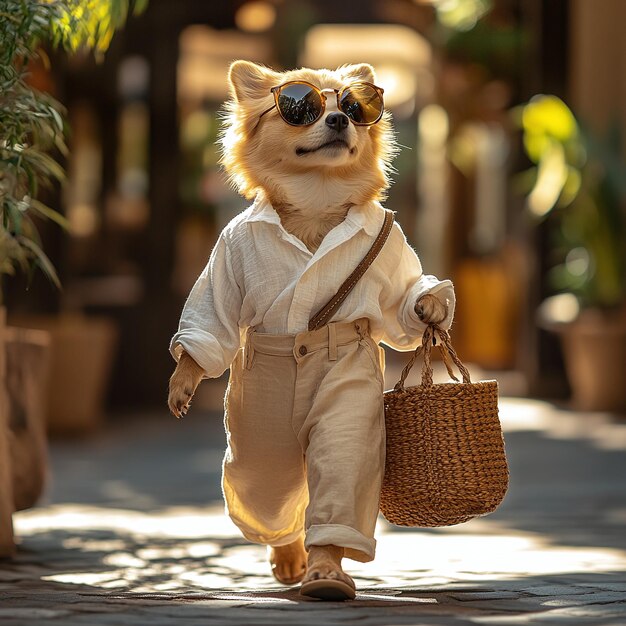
(328,589)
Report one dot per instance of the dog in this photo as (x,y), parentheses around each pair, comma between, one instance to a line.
(312,147)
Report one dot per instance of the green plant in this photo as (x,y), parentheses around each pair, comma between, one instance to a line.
(32,122)
(578,182)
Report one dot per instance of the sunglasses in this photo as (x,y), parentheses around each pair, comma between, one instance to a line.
(300,104)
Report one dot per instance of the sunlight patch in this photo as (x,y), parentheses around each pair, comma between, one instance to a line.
(187,549)
(174,522)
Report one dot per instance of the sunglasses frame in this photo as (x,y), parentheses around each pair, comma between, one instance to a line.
(338,92)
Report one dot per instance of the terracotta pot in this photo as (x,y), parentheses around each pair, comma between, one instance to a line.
(7,544)
(27,366)
(594,348)
(82,351)
(487,312)
(24,360)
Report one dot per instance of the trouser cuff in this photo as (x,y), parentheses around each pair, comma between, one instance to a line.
(357,546)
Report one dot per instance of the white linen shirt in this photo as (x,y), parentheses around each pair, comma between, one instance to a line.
(261,276)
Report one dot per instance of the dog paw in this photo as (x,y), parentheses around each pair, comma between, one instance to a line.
(289,562)
(431,310)
(179,398)
(183,383)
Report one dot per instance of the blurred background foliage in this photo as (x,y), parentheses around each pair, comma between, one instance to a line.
(509,181)
(32,127)
(578,181)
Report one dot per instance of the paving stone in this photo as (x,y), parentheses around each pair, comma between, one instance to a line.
(549,556)
(600,597)
(519,605)
(594,614)
(608,586)
(30,613)
(484,595)
(534,619)
(128,619)
(557,590)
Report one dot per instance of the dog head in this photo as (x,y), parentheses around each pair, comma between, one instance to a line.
(261,152)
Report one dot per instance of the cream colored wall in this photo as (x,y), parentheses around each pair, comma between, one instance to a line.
(598,62)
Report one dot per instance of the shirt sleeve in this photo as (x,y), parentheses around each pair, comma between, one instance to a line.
(403,327)
(209,324)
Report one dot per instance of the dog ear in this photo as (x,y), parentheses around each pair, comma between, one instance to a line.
(250,81)
(362,71)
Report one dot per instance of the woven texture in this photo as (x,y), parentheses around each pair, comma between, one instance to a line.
(445,452)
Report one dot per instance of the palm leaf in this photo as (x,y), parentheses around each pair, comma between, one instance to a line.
(42,259)
(49,213)
(32,123)
(44,163)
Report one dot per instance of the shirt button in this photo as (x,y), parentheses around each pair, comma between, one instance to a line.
(302,350)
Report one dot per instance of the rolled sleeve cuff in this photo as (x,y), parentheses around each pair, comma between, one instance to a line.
(443,289)
(203,348)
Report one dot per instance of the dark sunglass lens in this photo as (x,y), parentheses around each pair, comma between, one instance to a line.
(299,104)
(362,103)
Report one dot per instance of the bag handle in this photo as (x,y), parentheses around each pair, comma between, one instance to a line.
(447,352)
(328,310)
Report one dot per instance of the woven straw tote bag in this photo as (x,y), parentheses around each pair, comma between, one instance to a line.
(445,452)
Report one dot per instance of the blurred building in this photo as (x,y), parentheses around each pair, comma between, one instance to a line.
(146,199)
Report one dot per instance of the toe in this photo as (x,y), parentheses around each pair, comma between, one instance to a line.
(347,579)
(288,574)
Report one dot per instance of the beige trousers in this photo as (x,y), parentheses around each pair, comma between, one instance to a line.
(306,438)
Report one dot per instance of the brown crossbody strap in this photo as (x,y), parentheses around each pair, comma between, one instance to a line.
(326,312)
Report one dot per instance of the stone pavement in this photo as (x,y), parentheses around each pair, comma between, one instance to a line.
(132,532)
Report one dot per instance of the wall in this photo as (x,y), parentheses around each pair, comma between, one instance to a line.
(598,62)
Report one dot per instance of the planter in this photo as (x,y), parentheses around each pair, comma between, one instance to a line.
(594,348)
(82,352)
(486,326)
(27,365)
(7,544)
(24,360)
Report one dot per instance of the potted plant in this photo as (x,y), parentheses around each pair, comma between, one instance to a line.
(31,127)
(578,183)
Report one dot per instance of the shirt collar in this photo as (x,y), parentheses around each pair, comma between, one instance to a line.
(263,211)
(368,216)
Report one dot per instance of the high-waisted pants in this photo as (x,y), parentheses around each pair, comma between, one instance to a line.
(306,438)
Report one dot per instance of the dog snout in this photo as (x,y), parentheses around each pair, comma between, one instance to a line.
(337,121)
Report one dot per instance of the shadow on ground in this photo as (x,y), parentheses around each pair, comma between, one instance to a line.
(127,577)
(132,531)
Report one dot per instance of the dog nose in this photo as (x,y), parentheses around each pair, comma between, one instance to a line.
(337,121)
